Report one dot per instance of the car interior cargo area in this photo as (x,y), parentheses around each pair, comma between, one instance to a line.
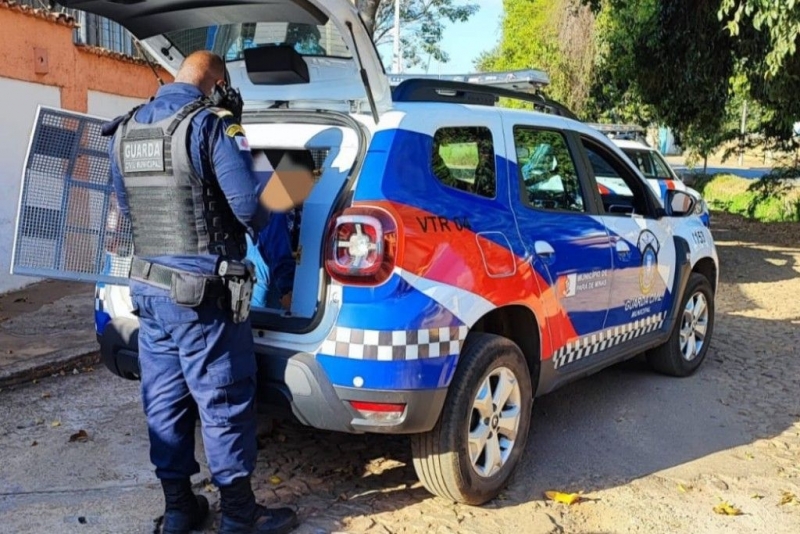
(309,173)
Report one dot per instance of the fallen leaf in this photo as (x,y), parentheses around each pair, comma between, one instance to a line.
(726,508)
(756,496)
(787,497)
(566,498)
(45,395)
(275,479)
(35,443)
(749,455)
(80,436)
(684,489)
(55,424)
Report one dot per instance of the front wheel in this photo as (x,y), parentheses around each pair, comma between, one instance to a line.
(480,436)
(686,348)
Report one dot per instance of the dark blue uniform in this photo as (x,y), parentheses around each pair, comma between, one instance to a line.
(198,358)
(275,264)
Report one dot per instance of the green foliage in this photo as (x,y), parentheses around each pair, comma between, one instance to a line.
(778,20)
(691,65)
(422,24)
(460,155)
(770,199)
(556,36)
(667,61)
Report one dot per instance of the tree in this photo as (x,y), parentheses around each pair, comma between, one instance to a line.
(554,36)
(684,70)
(778,20)
(422,23)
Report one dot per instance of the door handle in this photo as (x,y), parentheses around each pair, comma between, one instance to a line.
(544,250)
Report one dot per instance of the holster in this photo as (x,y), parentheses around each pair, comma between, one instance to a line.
(238,278)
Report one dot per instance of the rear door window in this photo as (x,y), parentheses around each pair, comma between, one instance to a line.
(549,178)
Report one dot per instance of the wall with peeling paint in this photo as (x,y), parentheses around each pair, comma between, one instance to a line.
(42,66)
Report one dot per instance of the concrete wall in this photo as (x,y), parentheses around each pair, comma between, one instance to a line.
(16,123)
(41,65)
(108,105)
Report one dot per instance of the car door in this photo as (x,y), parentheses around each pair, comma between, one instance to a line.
(67,224)
(569,247)
(643,248)
(340,69)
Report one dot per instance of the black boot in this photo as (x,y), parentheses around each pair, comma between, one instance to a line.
(241,514)
(183,510)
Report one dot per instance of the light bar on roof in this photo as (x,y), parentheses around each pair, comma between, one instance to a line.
(618,128)
(515,80)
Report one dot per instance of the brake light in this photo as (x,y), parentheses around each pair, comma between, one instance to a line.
(362,246)
(379,411)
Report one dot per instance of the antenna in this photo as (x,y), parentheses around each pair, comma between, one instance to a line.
(147,60)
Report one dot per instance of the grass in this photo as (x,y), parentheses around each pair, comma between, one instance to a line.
(769,199)
(460,154)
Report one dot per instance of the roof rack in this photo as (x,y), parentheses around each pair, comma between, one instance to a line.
(617,128)
(414,89)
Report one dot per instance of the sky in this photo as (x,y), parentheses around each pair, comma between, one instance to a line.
(463,41)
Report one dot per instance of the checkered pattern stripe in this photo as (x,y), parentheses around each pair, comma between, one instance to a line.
(99,298)
(394,345)
(599,341)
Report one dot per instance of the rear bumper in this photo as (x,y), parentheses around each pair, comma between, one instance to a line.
(294,382)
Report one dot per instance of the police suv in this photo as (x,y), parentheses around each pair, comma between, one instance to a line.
(660,175)
(453,261)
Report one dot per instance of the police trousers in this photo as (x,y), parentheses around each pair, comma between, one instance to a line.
(197,361)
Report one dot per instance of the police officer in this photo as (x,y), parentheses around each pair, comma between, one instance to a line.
(271,254)
(182,172)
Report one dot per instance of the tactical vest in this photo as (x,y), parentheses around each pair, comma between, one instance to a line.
(173,210)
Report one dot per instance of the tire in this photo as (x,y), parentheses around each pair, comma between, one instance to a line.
(442,456)
(670,358)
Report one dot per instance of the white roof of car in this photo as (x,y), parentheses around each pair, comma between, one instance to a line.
(626,143)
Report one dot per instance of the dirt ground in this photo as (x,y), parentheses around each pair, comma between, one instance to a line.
(651,454)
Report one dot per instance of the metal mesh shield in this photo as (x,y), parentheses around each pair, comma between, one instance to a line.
(68,224)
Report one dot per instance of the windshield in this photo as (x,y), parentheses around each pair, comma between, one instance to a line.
(230,40)
(649,163)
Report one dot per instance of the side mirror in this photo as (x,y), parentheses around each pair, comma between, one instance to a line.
(680,203)
(523,153)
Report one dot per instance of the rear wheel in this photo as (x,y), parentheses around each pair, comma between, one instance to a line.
(475,446)
(686,348)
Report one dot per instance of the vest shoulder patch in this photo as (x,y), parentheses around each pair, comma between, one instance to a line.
(234,129)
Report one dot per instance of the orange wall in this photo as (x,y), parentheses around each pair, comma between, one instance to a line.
(76,70)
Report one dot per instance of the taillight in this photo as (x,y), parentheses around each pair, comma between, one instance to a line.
(362,246)
(379,411)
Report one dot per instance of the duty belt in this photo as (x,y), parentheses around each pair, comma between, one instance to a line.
(153,273)
(231,288)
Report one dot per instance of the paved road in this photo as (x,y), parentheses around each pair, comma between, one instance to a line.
(752,174)
(652,454)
